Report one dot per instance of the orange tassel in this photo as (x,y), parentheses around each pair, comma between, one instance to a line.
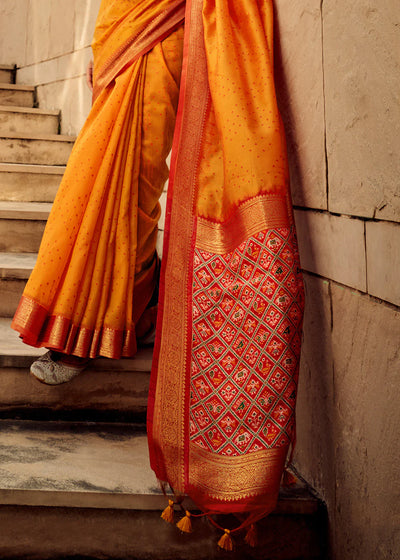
(288,478)
(168,513)
(225,542)
(251,536)
(185,525)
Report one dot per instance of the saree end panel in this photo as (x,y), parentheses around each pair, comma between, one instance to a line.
(224,379)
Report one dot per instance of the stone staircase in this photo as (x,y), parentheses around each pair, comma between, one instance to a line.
(74,475)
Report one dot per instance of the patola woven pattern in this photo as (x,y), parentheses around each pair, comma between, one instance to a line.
(247,310)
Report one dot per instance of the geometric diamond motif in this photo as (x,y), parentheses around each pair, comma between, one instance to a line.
(246,321)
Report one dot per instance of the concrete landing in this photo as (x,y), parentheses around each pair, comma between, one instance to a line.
(76,465)
(85,490)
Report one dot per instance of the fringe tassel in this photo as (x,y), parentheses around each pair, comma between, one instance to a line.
(288,479)
(185,524)
(251,536)
(225,542)
(168,513)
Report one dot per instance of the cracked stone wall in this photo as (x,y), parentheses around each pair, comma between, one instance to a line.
(338,83)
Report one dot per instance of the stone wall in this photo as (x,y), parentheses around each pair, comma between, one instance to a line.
(338,82)
(49,40)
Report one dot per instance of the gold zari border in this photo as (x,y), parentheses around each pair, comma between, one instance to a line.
(235,478)
(257,214)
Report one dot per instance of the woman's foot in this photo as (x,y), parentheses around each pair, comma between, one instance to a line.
(51,369)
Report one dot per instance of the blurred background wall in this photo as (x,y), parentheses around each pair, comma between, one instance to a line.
(337,68)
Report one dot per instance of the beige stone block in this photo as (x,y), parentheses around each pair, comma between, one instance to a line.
(383,260)
(13,21)
(16,96)
(34,121)
(39,73)
(25,183)
(299,82)
(362,81)
(72,97)
(365,345)
(61,68)
(315,448)
(20,236)
(37,31)
(16,266)
(10,294)
(7,74)
(333,247)
(85,19)
(74,64)
(61,34)
(96,389)
(37,150)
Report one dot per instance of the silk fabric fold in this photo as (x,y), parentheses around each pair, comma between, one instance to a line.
(96,268)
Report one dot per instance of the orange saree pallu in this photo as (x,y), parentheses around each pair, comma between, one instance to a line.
(96,268)
(225,367)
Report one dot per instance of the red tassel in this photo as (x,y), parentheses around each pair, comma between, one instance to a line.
(168,513)
(251,536)
(288,478)
(185,525)
(225,542)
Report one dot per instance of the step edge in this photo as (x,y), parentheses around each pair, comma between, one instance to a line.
(13,273)
(32,168)
(30,110)
(17,87)
(14,360)
(145,501)
(45,137)
(23,264)
(91,500)
(33,214)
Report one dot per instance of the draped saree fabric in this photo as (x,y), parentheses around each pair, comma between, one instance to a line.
(225,366)
(96,270)
(221,413)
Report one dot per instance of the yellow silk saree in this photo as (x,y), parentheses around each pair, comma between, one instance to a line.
(221,414)
(96,268)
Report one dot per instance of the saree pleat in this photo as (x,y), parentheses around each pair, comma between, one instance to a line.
(96,268)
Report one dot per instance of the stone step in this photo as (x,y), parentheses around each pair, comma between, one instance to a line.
(22,225)
(32,121)
(15,269)
(7,74)
(107,389)
(29,183)
(17,95)
(42,149)
(86,490)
